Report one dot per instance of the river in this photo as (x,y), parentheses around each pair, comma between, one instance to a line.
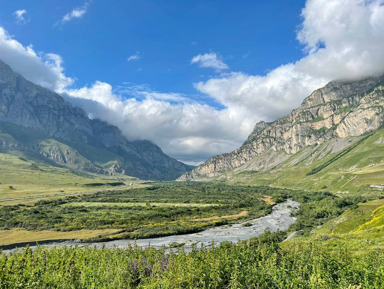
(279,219)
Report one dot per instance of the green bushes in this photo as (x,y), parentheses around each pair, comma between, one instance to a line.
(257,263)
(318,207)
(191,215)
(193,203)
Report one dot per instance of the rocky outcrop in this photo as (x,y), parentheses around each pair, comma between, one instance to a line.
(65,135)
(338,110)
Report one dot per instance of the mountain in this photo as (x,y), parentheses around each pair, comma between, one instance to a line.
(331,122)
(39,122)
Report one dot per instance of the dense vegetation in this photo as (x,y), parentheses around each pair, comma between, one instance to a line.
(155,210)
(168,208)
(257,263)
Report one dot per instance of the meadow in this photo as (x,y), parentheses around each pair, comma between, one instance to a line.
(151,210)
(25,181)
(159,209)
(338,241)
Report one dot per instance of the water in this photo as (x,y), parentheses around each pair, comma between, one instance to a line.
(279,219)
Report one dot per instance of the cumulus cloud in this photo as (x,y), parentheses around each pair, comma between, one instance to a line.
(19,16)
(343,39)
(134,57)
(209,60)
(78,12)
(44,69)
(185,130)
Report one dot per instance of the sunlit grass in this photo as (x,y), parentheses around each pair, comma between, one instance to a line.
(15,236)
(137,204)
(23,181)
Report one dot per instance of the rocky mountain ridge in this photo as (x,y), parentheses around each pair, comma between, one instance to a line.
(38,121)
(339,110)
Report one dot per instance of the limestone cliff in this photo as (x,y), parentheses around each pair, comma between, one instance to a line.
(36,120)
(336,111)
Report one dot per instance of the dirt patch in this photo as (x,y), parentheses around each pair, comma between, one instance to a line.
(235,216)
(268,200)
(13,236)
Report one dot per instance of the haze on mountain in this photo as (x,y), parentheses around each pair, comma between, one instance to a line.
(44,127)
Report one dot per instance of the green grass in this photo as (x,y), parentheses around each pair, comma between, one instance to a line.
(168,208)
(137,204)
(351,170)
(257,263)
(351,220)
(338,156)
(155,210)
(359,229)
(33,180)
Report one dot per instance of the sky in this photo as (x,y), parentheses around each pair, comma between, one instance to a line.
(191,76)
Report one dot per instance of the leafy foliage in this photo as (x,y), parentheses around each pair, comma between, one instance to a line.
(257,263)
(203,204)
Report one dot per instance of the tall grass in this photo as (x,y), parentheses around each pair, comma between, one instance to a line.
(257,263)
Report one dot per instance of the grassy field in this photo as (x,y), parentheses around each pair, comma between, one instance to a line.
(360,229)
(339,244)
(162,209)
(157,209)
(339,241)
(15,236)
(137,204)
(23,181)
(356,220)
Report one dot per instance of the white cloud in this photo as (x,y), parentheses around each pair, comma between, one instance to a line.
(188,131)
(19,15)
(134,57)
(43,69)
(78,12)
(209,60)
(342,39)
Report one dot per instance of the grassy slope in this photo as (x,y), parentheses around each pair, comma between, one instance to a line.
(82,153)
(354,171)
(31,180)
(361,230)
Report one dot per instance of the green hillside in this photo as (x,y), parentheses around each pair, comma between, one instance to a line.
(353,169)
(25,178)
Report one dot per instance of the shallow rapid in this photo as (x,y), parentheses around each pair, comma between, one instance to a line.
(279,219)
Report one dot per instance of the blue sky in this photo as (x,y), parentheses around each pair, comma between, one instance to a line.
(192,76)
(165,35)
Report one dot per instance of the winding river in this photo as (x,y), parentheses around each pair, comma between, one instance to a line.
(279,219)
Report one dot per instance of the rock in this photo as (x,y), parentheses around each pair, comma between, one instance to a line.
(39,121)
(336,111)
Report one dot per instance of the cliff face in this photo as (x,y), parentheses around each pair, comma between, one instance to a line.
(39,121)
(336,111)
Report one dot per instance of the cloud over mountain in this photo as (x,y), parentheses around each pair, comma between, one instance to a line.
(341,39)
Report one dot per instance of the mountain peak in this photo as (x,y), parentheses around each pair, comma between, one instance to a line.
(339,110)
(69,137)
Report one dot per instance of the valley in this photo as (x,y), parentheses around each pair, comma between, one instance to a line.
(88,198)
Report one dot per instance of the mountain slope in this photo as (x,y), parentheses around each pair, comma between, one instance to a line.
(39,121)
(329,120)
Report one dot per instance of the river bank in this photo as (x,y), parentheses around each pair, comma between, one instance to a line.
(279,219)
